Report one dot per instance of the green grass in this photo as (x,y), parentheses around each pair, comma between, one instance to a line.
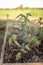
(11,12)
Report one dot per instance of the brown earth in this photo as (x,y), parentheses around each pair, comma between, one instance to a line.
(12,17)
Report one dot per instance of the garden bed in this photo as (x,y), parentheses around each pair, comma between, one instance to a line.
(22,46)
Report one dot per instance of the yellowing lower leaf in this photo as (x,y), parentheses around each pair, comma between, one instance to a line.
(24,51)
(18,56)
(17,43)
(27,48)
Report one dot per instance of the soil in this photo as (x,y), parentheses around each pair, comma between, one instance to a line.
(35,55)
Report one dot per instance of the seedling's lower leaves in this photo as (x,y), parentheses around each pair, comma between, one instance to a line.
(10,41)
(27,47)
(24,51)
(17,43)
(18,56)
(14,36)
(36,41)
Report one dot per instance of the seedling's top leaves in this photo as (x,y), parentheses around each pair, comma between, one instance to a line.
(26,19)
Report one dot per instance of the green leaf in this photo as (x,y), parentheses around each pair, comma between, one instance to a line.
(10,41)
(14,37)
(17,43)
(24,51)
(36,41)
(18,56)
(31,39)
(28,38)
(27,47)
